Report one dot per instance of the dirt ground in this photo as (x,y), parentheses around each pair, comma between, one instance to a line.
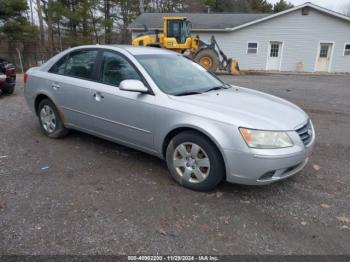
(84,195)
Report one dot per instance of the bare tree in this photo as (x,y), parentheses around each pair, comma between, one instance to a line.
(41,24)
(347,9)
(142,6)
(93,20)
(31,12)
(108,21)
(49,28)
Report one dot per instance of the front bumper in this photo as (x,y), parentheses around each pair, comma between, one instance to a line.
(7,85)
(261,167)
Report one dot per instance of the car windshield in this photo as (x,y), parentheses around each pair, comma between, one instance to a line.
(177,75)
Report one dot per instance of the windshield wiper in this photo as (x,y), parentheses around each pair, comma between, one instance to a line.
(224,86)
(186,93)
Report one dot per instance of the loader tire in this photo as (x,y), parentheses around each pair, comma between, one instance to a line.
(208,59)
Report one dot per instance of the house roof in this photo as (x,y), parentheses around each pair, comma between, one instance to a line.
(221,21)
(307,4)
(200,21)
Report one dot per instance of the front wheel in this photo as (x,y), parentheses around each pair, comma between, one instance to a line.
(194,161)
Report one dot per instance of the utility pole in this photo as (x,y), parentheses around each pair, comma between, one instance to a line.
(20,59)
(208,7)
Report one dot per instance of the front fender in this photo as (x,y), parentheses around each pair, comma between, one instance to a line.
(223,135)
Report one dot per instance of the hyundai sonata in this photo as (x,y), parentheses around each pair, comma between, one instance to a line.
(162,103)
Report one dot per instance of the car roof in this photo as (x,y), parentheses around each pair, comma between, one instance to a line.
(143,50)
(134,50)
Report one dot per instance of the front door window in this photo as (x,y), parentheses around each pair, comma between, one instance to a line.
(115,68)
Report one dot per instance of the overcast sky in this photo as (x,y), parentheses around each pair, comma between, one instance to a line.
(336,5)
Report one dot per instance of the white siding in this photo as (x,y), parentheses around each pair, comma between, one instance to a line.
(300,35)
(134,34)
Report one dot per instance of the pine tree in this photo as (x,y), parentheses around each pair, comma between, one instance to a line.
(282,5)
(261,6)
(13,23)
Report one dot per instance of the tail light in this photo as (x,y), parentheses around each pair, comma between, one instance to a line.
(2,78)
(10,71)
(25,78)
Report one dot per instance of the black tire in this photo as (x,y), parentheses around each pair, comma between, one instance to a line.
(8,90)
(216,173)
(59,130)
(208,54)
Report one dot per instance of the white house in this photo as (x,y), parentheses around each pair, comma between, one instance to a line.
(306,38)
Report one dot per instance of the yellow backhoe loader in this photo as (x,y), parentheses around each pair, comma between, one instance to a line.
(177,36)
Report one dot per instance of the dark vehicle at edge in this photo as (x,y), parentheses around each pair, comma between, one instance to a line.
(7,77)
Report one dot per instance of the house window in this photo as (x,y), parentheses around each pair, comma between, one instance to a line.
(347,49)
(324,51)
(252,48)
(274,49)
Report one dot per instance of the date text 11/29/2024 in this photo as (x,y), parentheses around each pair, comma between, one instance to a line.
(174,258)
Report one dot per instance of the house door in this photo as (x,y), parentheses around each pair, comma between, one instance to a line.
(324,57)
(274,56)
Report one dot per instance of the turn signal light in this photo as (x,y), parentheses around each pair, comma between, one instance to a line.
(246,134)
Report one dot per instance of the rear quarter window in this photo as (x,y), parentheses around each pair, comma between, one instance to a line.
(58,67)
(79,64)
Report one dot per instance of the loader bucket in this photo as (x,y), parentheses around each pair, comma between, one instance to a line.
(233,67)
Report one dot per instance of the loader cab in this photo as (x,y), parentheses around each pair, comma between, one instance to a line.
(178,28)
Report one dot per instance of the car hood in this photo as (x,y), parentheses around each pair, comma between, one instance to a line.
(244,107)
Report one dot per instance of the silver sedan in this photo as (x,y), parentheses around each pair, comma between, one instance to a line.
(162,103)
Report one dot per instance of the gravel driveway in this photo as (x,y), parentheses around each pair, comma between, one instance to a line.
(84,195)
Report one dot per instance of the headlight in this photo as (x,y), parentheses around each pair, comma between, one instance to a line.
(265,139)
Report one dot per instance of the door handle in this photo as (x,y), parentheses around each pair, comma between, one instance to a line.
(98,96)
(55,86)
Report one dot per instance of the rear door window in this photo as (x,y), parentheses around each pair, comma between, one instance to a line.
(81,64)
(78,64)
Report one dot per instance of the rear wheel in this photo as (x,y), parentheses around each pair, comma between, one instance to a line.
(208,59)
(194,161)
(49,119)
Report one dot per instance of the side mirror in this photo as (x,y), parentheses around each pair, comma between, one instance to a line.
(133,86)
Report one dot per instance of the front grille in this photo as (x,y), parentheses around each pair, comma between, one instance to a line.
(305,133)
(290,169)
